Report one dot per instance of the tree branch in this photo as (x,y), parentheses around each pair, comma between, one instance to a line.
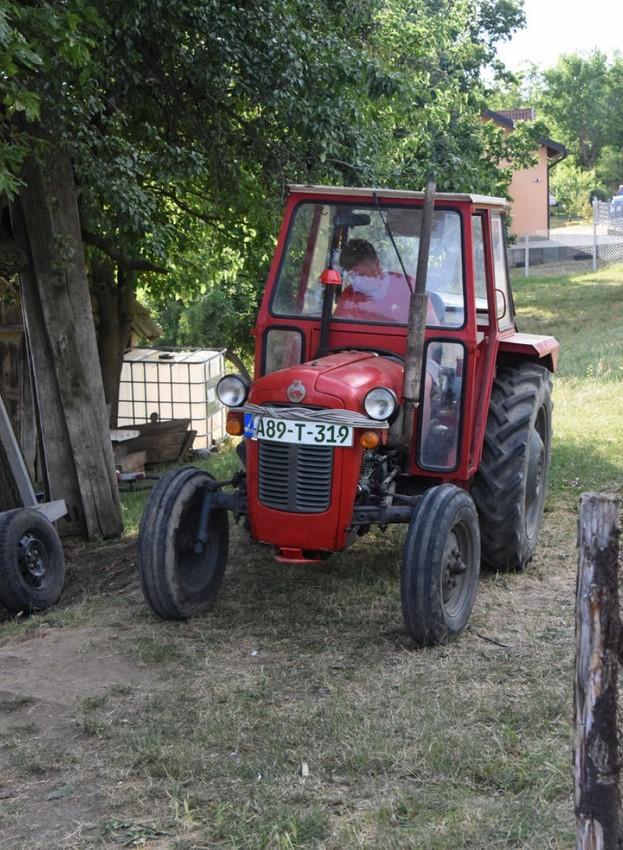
(237,362)
(135,264)
(208,219)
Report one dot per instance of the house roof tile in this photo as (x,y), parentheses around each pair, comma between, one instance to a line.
(504,119)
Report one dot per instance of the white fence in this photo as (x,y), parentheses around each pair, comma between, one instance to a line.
(587,246)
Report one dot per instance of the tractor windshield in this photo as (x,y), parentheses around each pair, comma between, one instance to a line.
(353,240)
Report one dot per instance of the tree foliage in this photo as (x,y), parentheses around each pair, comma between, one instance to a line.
(580,99)
(609,168)
(572,187)
(576,98)
(185,119)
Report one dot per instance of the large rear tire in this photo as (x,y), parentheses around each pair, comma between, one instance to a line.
(440,565)
(177,581)
(511,484)
(32,564)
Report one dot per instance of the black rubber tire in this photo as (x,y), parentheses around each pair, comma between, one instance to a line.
(177,582)
(437,603)
(511,484)
(32,563)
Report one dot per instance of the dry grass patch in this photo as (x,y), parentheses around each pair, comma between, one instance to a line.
(298,715)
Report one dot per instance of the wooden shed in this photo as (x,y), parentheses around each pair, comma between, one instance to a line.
(15,373)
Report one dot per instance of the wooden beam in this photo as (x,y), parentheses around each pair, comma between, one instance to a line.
(11,332)
(598,629)
(61,334)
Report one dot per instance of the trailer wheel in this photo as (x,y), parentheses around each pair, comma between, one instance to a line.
(177,581)
(32,564)
(440,565)
(511,484)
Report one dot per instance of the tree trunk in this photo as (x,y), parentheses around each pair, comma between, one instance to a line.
(114,293)
(125,306)
(237,363)
(75,431)
(596,760)
(104,290)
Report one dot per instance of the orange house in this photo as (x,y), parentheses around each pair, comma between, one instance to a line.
(529,189)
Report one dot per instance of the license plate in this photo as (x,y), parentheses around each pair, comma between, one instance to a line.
(292,431)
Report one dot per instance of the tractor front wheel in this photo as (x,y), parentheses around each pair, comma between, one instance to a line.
(180,575)
(511,484)
(32,564)
(440,566)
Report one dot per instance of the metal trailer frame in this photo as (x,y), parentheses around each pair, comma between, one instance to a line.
(51,510)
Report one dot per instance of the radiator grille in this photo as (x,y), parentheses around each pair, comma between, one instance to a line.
(295,478)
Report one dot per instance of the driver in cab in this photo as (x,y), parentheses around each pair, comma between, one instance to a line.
(372,294)
(376,296)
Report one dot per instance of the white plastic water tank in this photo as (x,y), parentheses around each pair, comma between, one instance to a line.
(176,384)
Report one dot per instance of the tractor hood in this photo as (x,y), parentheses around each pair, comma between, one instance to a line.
(339,380)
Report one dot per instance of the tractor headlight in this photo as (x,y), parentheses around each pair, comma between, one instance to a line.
(380,403)
(232,390)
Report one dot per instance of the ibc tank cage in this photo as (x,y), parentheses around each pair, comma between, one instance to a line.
(173,384)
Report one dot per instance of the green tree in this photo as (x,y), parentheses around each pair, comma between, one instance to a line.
(184,119)
(572,187)
(576,101)
(609,168)
(515,91)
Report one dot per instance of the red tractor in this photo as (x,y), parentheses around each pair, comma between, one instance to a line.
(391,386)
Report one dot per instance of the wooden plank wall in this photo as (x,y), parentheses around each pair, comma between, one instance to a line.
(16,392)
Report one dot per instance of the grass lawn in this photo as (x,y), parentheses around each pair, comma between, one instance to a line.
(585,313)
(298,714)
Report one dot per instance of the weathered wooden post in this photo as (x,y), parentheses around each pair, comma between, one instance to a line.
(59,321)
(596,759)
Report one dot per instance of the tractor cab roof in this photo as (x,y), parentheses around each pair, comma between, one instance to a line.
(395,194)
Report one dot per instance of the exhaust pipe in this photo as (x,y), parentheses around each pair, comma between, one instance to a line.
(414,356)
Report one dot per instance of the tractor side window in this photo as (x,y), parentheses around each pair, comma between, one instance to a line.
(501,271)
(444,282)
(282,348)
(299,291)
(480,279)
(441,406)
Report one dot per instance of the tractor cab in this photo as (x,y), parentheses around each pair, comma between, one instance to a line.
(359,250)
(391,386)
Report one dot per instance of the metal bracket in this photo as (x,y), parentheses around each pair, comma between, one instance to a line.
(380,514)
(52,510)
(201,537)
(235,501)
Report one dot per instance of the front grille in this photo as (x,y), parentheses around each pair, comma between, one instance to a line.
(295,478)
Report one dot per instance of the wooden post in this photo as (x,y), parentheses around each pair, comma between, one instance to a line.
(414,355)
(596,761)
(74,422)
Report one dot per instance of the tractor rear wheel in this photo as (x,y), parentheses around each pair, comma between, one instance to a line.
(440,565)
(178,580)
(32,564)
(511,484)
